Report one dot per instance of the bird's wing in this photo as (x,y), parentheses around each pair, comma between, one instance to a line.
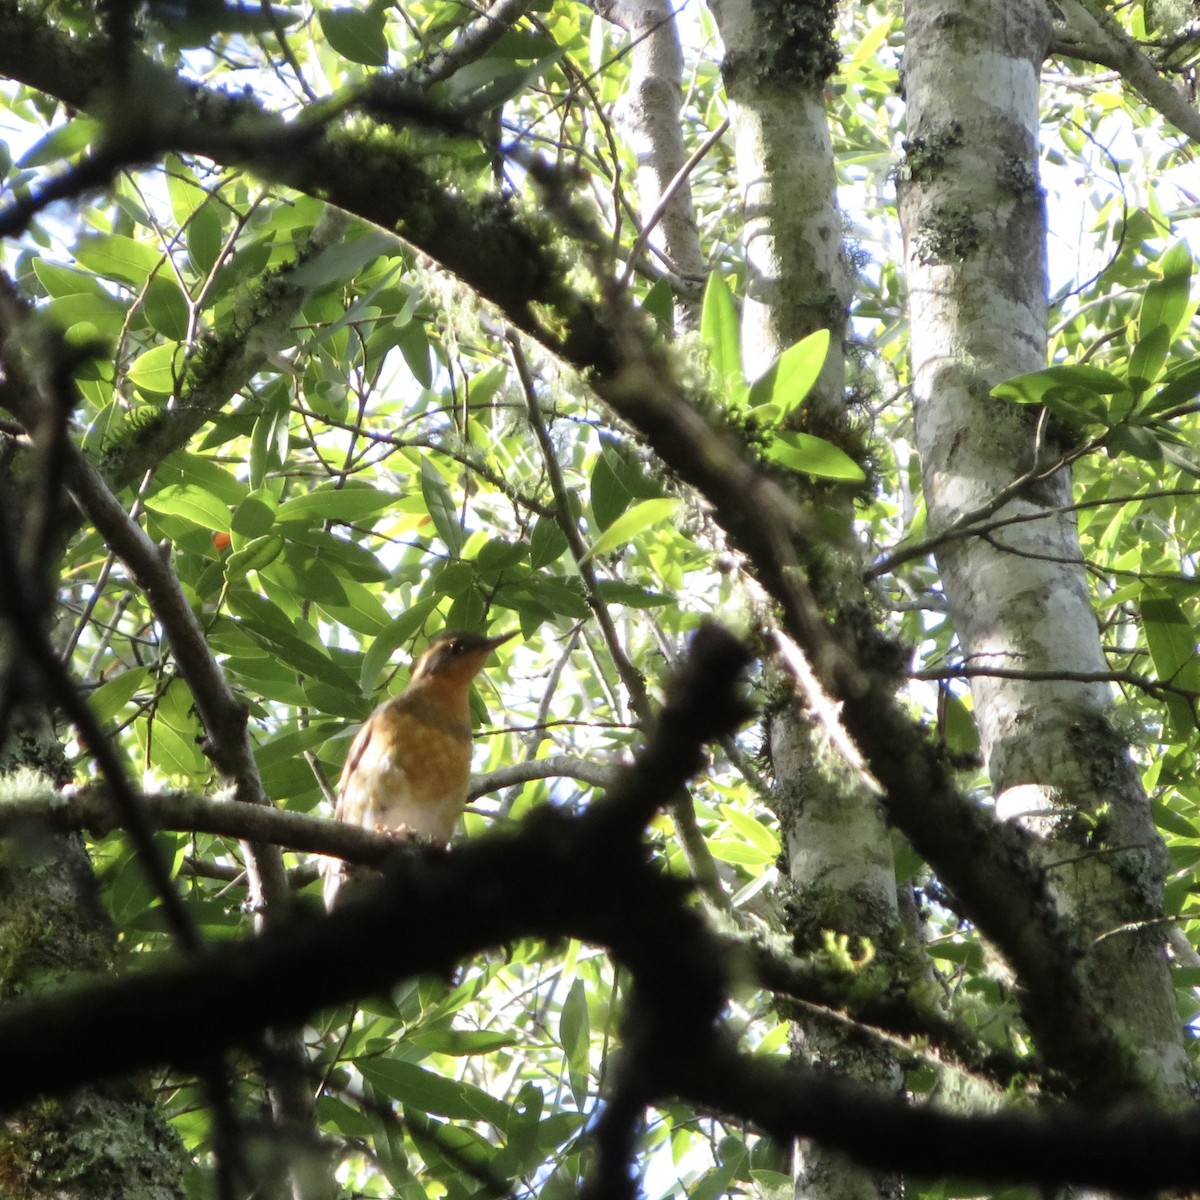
(333,870)
(333,875)
(357,747)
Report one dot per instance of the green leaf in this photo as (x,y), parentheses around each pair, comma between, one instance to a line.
(175,740)
(193,503)
(461,1042)
(413,341)
(356,34)
(349,558)
(351,503)
(293,642)
(380,651)
(721,336)
(362,610)
(1179,386)
(295,742)
(617,591)
(112,695)
(255,515)
(1032,388)
(104,314)
(755,832)
(441,508)
(299,574)
(1165,817)
(432,1093)
(1136,440)
(1172,643)
(120,258)
(1166,301)
(608,495)
(270,437)
(257,554)
(958,728)
(65,281)
(156,371)
(204,472)
(734,850)
(166,308)
(494,79)
(205,237)
(343,260)
(1177,459)
(814,456)
(64,142)
(660,302)
(785,384)
(343,1118)
(560,596)
(573,1026)
(1076,406)
(498,555)
(547,543)
(574,1034)
(1146,361)
(627,526)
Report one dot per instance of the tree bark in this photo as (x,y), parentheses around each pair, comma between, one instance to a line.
(839,856)
(974,224)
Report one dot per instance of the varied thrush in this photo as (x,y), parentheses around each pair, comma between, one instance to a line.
(408,768)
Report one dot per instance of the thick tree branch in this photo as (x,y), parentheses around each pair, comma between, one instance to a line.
(1094,36)
(588,877)
(507,258)
(1125,1151)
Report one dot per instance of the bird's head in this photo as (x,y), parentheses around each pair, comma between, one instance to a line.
(453,656)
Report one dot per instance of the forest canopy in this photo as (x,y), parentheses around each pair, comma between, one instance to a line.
(809,390)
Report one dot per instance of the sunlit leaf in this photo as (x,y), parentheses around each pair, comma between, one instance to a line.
(441,507)
(155,372)
(193,503)
(429,1092)
(784,386)
(64,142)
(353,502)
(118,257)
(1032,388)
(1146,361)
(720,332)
(111,696)
(755,832)
(814,456)
(1166,301)
(634,521)
(1172,643)
(1179,386)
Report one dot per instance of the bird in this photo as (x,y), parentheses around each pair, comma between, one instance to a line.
(409,765)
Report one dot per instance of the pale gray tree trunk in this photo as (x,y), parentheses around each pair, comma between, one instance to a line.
(797,281)
(838,849)
(649,116)
(974,223)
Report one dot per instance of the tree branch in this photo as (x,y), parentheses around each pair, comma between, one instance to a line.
(1096,37)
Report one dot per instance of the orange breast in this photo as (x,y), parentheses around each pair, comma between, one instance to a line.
(408,771)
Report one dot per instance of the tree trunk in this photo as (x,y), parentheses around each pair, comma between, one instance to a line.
(838,849)
(974,225)
(102,1141)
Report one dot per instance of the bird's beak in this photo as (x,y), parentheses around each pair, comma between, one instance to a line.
(493,642)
